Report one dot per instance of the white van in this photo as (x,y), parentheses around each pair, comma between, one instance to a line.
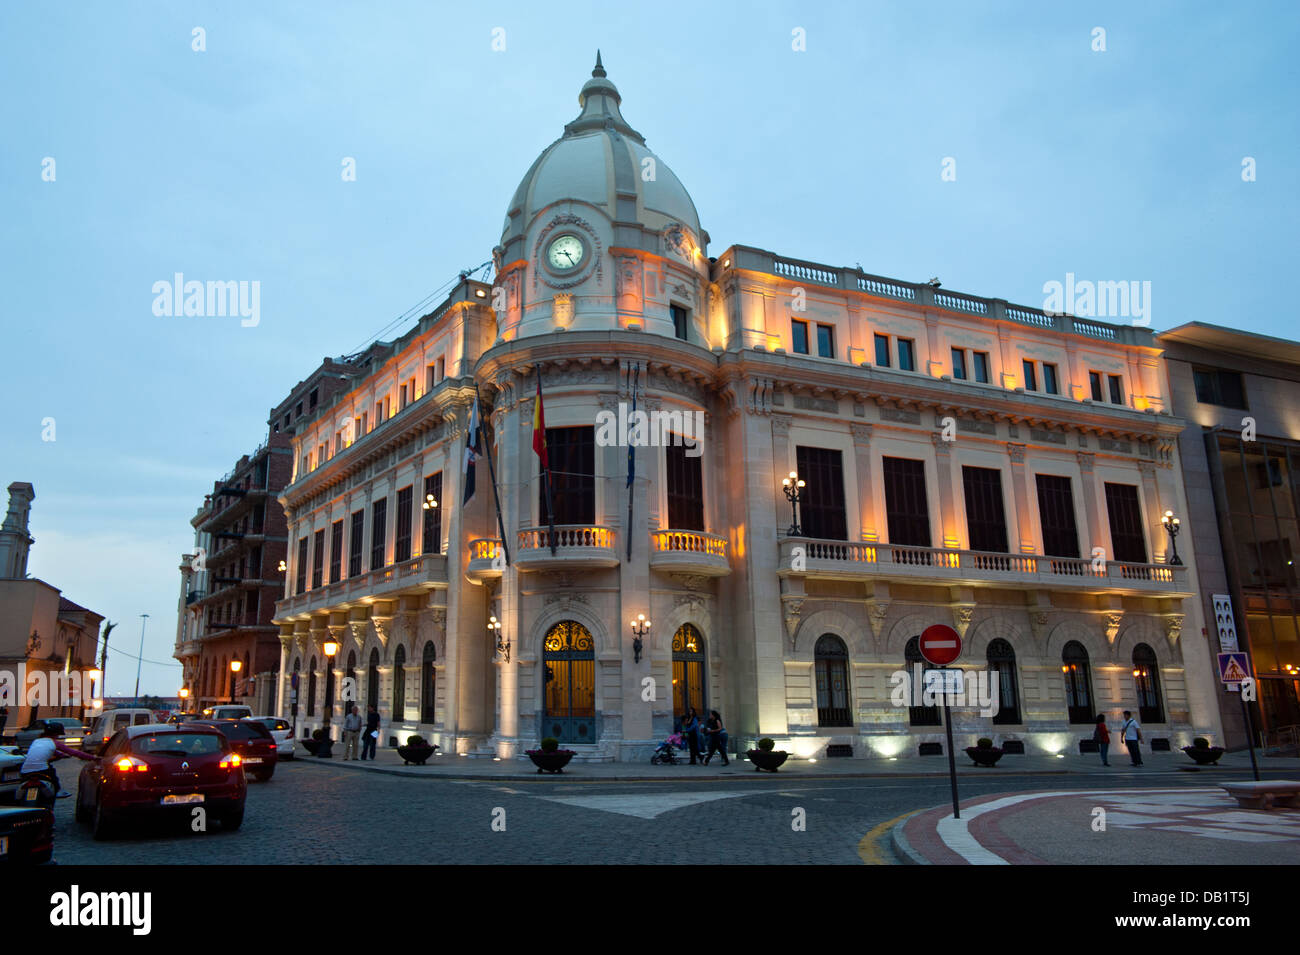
(110,721)
(227,711)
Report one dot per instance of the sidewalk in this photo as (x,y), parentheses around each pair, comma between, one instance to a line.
(522,769)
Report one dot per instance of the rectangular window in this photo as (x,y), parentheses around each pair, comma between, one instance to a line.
(429,379)
(317,558)
(300,583)
(1056,513)
(1094,383)
(1049,379)
(432,540)
(907,508)
(986,519)
(571,453)
(338,441)
(679,321)
(1217,387)
(1031,375)
(906,354)
(799,336)
(354,543)
(981,366)
(1126,539)
(822,511)
(826,341)
(312,399)
(402,544)
(882,351)
(442,366)
(378,533)
(379,413)
(685,489)
(1116,389)
(365,422)
(959,364)
(401,391)
(336,552)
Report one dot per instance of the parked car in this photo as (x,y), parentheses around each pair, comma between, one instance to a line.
(72,731)
(282,730)
(110,721)
(9,765)
(251,740)
(226,711)
(26,835)
(153,769)
(183,718)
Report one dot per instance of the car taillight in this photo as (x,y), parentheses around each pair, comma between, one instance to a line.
(230,762)
(128,763)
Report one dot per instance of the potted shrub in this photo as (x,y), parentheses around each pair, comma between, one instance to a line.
(324,746)
(765,758)
(984,753)
(550,758)
(1203,753)
(416,750)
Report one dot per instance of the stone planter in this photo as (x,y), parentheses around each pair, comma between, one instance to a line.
(767,759)
(416,754)
(1204,756)
(552,762)
(310,745)
(986,756)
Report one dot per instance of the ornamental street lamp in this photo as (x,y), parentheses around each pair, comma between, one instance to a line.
(282,567)
(234,675)
(429,502)
(640,627)
(793,487)
(1171,525)
(502,645)
(330,647)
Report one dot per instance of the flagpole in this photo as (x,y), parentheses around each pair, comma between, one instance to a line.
(487,450)
(546,473)
(631,461)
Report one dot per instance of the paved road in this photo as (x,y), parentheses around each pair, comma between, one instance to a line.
(313,813)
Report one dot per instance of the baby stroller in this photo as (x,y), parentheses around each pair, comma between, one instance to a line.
(666,753)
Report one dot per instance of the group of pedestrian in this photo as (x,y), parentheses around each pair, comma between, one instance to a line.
(698,734)
(1132,736)
(352,730)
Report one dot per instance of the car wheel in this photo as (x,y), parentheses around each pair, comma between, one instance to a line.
(262,775)
(100,823)
(232,820)
(80,812)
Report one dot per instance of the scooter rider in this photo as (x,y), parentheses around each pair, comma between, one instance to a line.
(41,755)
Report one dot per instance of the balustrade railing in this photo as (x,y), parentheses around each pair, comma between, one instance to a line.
(694,541)
(566,536)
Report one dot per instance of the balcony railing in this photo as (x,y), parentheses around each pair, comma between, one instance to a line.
(689,552)
(483,562)
(851,559)
(576,545)
(388,582)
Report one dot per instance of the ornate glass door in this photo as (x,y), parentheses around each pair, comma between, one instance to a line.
(570,676)
(688,671)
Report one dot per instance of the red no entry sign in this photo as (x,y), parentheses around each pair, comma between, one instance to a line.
(940,644)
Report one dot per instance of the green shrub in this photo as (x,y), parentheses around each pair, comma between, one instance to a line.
(550,744)
(415,740)
(984,743)
(766,744)
(1201,743)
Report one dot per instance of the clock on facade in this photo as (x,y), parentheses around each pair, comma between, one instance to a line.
(565,253)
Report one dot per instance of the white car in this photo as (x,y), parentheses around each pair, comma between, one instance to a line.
(227,711)
(282,730)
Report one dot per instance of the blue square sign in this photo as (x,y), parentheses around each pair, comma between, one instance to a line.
(1233,667)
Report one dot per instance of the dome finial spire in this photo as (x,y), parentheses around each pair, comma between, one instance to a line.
(599,70)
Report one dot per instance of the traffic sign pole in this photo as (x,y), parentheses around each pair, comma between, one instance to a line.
(940,644)
(1250,735)
(952,758)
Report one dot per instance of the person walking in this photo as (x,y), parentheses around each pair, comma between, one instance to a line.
(351,733)
(717,735)
(372,732)
(690,730)
(1102,737)
(1133,738)
(41,755)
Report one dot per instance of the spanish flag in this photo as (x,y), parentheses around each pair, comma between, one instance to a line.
(539,425)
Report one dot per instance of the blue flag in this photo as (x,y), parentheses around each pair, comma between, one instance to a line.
(471,452)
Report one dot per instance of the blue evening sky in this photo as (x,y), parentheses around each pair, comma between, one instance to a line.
(225,165)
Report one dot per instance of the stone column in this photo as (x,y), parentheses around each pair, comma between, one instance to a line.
(862,463)
(1091,504)
(947,506)
(286,640)
(782,466)
(1020,489)
(1155,509)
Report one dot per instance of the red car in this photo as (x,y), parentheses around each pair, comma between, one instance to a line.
(147,770)
(252,741)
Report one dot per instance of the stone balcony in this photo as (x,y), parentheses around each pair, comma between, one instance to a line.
(689,552)
(416,576)
(576,545)
(851,560)
(486,559)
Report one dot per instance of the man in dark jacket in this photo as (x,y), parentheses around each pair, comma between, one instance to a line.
(372,732)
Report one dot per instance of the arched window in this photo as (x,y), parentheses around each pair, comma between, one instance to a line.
(372,679)
(399,684)
(1146,674)
(428,682)
(311,689)
(1078,683)
(349,693)
(832,666)
(917,715)
(569,673)
(1002,661)
(688,670)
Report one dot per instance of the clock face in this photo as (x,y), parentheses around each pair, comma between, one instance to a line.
(565,253)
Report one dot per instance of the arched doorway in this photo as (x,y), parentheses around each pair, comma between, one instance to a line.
(349,693)
(1146,675)
(1002,661)
(917,715)
(399,684)
(311,689)
(428,684)
(688,671)
(372,679)
(569,674)
(832,674)
(1078,683)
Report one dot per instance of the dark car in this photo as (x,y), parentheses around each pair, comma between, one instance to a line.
(252,741)
(71,731)
(146,771)
(26,835)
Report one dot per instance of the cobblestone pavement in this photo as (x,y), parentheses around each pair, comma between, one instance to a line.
(314,813)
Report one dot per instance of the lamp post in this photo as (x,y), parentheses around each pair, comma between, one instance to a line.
(640,627)
(1171,525)
(502,645)
(793,487)
(144,618)
(234,675)
(330,648)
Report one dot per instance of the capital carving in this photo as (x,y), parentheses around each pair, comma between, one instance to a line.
(1147,470)
(1086,460)
(1173,627)
(358,628)
(861,433)
(438,616)
(1016,452)
(941,444)
(961,618)
(1111,621)
(383,630)
(792,606)
(877,611)
(780,426)
(1038,624)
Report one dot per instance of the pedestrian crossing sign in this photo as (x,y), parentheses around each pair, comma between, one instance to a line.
(1233,667)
